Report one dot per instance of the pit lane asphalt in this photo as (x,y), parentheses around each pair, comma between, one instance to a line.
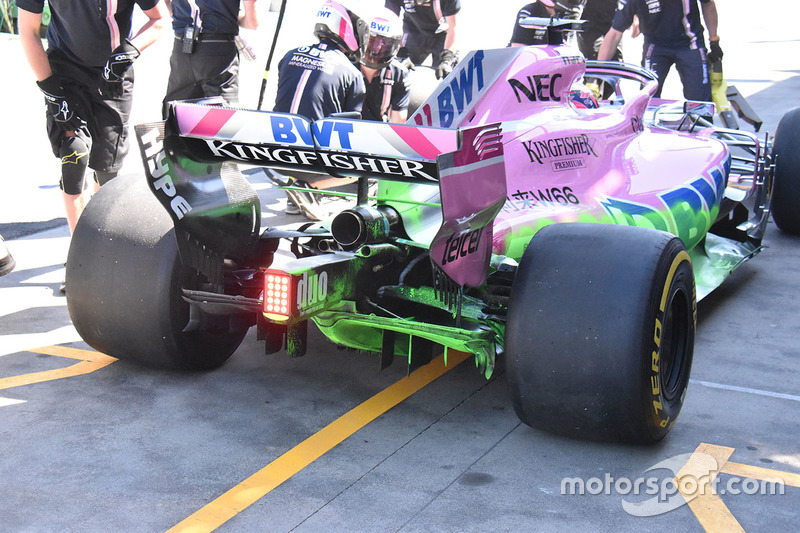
(125,448)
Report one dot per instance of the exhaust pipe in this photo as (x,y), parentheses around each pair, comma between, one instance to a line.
(364,225)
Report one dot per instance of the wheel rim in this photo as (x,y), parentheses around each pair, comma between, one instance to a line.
(675,345)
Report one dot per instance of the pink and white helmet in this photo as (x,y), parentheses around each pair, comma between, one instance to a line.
(340,23)
(383,39)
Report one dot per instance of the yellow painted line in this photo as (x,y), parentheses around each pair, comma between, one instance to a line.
(89,362)
(762,474)
(293,461)
(703,466)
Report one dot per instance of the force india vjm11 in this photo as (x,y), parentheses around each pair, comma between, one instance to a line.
(510,219)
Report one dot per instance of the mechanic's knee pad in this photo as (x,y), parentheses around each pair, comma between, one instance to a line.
(74,153)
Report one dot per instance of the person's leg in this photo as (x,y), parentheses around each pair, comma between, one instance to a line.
(693,70)
(418,47)
(217,69)
(109,129)
(659,60)
(181,84)
(73,151)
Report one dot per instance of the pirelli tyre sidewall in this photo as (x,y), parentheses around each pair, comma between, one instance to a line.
(786,192)
(600,332)
(124,281)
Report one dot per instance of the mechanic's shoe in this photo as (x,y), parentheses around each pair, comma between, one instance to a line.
(7,262)
(291,207)
(63,287)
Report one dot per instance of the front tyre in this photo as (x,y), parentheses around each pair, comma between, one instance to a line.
(124,281)
(786,192)
(600,332)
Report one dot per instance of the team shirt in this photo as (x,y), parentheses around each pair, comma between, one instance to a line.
(598,14)
(529,36)
(425,18)
(316,81)
(389,90)
(85,31)
(218,16)
(667,23)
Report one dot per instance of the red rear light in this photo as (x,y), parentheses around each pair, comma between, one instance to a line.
(278,293)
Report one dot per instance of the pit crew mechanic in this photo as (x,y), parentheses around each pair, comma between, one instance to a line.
(320,80)
(430,30)
(205,61)
(387,79)
(87,81)
(599,15)
(673,34)
(542,8)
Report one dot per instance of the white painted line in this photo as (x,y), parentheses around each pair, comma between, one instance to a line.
(22,342)
(8,401)
(748,390)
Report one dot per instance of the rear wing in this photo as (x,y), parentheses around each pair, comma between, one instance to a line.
(335,146)
(191,166)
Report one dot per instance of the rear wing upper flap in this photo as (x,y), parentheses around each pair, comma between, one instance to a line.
(335,146)
(473,191)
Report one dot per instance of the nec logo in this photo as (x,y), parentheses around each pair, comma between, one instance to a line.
(540,87)
(465,84)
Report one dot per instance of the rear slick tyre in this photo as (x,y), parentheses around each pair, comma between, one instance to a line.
(124,281)
(600,332)
(786,192)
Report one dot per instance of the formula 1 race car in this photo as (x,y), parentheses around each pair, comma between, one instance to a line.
(514,215)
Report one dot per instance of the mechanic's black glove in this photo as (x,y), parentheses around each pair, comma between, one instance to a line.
(117,65)
(447,60)
(716,52)
(406,62)
(58,107)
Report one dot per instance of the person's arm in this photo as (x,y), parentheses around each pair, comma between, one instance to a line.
(609,45)
(249,20)
(151,31)
(450,37)
(29,24)
(711,19)
(398,117)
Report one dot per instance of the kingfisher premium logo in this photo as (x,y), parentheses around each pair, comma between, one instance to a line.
(560,147)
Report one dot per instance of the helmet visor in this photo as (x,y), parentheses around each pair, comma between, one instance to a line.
(379,50)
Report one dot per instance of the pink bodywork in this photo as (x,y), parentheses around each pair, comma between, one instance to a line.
(562,163)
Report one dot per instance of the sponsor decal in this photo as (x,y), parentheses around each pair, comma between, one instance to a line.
(456,95)
(555,196)
(538,151)
(158,169)
(653,6)
(461,246)
(295,130)
(690,210)
(336,162)
(312,290)
(380,25)
(540,87)
(567,164)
